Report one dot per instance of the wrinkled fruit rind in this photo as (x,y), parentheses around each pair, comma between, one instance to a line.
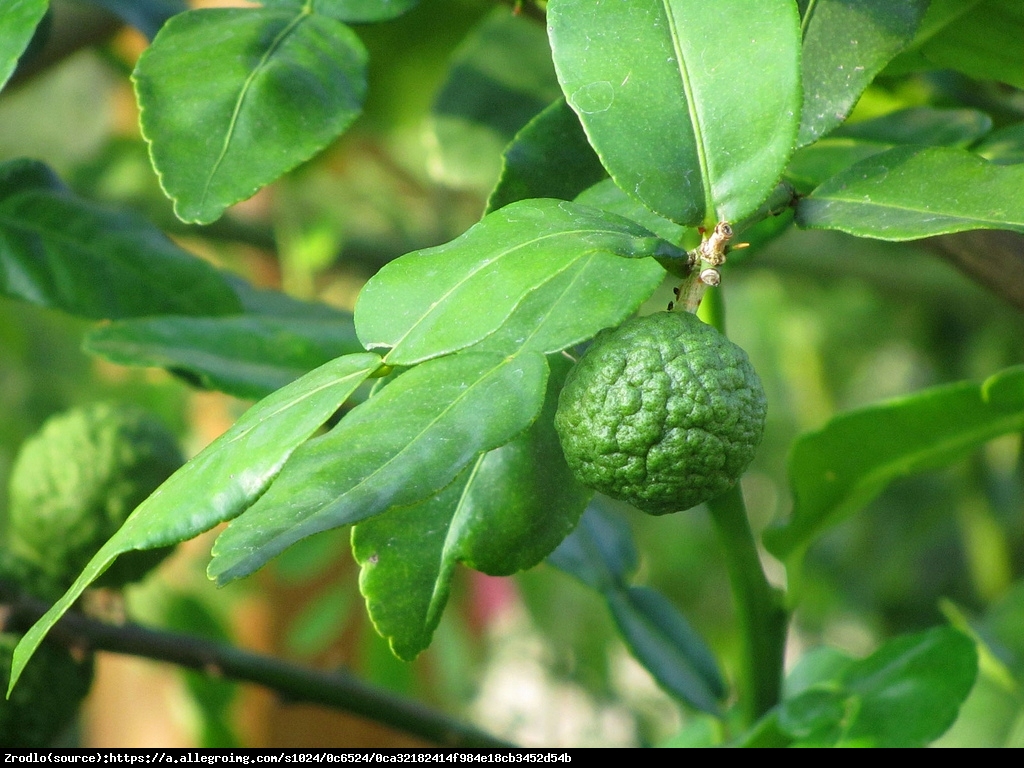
(74,483)
(663,412)
(46,699)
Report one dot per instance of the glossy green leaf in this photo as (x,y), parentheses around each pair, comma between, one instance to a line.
(601,554)
(442,299)
(607,196)
(62,252)
(147,16)
(277,87)
(499,79)
(20,19)
(246,356)
(913,192)
(906,694)
(222,481)
(666,92)
(849,144)
(668,647)
(845,45)
(355,11)
(503,514)
(399,447)
(1003,147)
(984,43)
(838,469)
(549,157)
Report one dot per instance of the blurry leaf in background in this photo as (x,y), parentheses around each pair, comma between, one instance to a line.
(279,86)
(234,470)
(20,19)
(912,192)
(905,694)
(59,251)
(845,44)
(244,356)
(838,469)
(503,514)
(439,416)
(147,16)
(321,621)
(1003,147)
(428,303)
(601,554)
(354,11)
(499,79)
(675,111)
(549,157)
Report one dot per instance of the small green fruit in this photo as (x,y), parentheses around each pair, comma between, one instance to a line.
(47,696)
(74,484)
(663,412)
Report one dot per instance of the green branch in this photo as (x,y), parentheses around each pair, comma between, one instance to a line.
(292,682)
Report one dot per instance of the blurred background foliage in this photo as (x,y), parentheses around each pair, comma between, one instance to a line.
(831,323)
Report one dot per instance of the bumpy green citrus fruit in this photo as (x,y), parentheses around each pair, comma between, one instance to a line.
(47,696)
(72,486)
(663,412)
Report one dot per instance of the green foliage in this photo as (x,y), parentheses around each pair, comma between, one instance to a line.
(611,141)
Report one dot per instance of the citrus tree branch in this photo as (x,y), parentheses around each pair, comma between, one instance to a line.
(761,616)
(292,682)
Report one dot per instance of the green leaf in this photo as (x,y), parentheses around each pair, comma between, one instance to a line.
(503,514)
(439,300)
(276,88)
(499,79)
(850,144)
(840,468)
(607,196)
(667,94)
(668,647)
(231,473)
(913,192)
(1003,147)
(355,11)
(600,552)
(906,694)
(147,16)
(845,45)
(399,447)
(549,157)
(246,356)
(61,252)
(984,43)
(21,17)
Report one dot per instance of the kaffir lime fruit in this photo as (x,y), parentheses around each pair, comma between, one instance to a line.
(663,412)
(72,486)
(46,699)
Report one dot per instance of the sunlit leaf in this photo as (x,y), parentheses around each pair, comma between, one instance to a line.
(442,299)
(277,87)
(399,447)
(984,43)
(913,192)
(20,19)
(668,97)
(65,253)
(230,474)
(838,469)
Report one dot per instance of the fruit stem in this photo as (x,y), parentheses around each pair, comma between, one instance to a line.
(760,610)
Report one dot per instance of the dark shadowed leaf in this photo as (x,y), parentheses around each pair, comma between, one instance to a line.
(244,355)
(65,253)
(232,472)
(147,16)
(355,11)
(277,87)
